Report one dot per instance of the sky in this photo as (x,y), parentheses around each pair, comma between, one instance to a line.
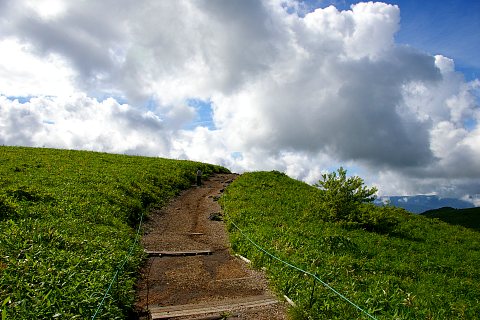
(388,90)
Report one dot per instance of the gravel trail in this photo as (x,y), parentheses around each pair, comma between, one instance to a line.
(186,224)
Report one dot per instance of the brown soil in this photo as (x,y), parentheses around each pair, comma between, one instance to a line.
(184,225)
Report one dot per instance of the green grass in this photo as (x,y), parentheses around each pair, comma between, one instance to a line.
(468,218)
(68,219)
(420,268)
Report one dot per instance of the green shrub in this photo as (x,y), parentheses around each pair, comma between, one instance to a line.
(342,196)
(378,219)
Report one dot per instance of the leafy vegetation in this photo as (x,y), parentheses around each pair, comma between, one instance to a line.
(468,218)
(67,220)
(342,196)
(391,263)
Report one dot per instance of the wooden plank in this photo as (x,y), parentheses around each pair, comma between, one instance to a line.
(215,303)
(212,307)
(235,279)
(290,301)
(178,253)
(216,317)
(243,258)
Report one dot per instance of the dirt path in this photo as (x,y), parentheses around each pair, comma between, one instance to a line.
(204,280)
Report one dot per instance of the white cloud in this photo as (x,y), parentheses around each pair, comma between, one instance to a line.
(296,93)
(80,122)
(47,9)
(24,74)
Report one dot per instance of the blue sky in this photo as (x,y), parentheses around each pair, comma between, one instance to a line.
(392,94)
(447,27)
(204,114)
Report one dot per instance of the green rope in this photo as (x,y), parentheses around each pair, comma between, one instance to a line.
(303,271)
(121,265)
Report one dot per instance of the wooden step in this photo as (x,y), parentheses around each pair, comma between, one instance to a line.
(234,279)
(178,253)
(211,307)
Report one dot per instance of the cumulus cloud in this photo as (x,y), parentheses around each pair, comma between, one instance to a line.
(80,122)
(336,99)
(289,89)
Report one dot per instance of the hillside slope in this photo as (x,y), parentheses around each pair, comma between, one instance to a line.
(417,268)
(468,218)
(422,203)
(68,223)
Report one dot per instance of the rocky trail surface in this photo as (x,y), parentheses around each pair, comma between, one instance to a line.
(190,272)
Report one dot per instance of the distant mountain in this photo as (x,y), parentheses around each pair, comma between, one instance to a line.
(422,203)
(469,218)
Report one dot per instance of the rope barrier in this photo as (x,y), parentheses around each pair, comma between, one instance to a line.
(121,265)
(303,271)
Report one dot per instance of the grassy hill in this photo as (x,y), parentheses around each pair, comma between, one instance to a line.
(468,218)
(68,223)
(397,265)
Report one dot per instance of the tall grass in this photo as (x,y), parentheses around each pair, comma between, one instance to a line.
(419,268)
(67,219)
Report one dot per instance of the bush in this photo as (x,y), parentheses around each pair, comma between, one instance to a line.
(342,196)
(377,219)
